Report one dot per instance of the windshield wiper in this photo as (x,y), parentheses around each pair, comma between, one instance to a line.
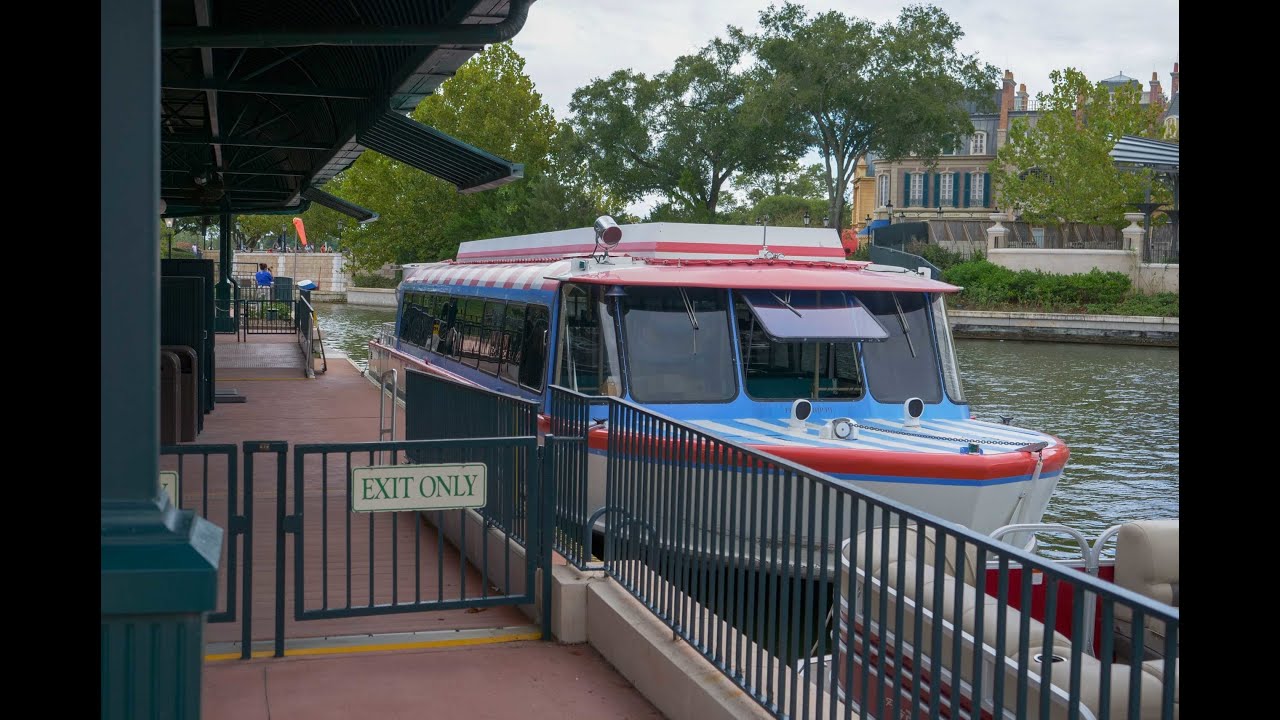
(688,308)
(785,304)
(906,329)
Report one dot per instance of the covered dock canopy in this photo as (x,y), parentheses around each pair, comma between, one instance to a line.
(263,103)
(1135,152)
(225,108)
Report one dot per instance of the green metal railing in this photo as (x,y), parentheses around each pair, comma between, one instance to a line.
(208,483)
(352,580)
(571,418)
(764,567)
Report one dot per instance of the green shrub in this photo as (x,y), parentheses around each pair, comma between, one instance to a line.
(992,287)
(373,281)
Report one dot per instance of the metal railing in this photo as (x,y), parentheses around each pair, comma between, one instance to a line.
(763,565)
(206,480)
(305,313)
(440,409)
(268,310)
(572,417)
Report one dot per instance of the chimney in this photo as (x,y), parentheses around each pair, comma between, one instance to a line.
(1157,94)
(1006,101)
(1022,97)
(1173,89)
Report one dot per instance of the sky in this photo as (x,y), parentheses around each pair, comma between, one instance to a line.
(568,43)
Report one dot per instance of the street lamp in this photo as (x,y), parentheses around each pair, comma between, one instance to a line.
(889,207)
(826,221)
(806,218)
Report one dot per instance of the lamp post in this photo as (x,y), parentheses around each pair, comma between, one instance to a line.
(889,207)
(826,221)
(806,218)
(168,222)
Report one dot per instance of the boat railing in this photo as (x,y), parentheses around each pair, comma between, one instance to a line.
(387,334)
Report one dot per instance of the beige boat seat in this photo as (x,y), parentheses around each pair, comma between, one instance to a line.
(1146,563)
(973,602)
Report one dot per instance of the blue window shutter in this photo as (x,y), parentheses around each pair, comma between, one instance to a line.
(986,190)
(937,189)
(968,187)
(924,190)
(906,189)
(955,189)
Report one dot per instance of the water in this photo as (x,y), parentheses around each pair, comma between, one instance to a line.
(349,328)
(1115,406)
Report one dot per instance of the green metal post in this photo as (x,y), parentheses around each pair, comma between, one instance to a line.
(222,319)
(159,564)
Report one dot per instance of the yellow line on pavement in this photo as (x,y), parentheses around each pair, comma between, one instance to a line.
(340,649)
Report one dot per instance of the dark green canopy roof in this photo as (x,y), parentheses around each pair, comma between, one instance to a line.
(262,102)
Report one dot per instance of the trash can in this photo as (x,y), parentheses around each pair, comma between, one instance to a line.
(189,409)
(170,397)
(283,289)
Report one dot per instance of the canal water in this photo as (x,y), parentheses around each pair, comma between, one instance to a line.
(1115,406)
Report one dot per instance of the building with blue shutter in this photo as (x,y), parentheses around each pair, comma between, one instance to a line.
(958,186)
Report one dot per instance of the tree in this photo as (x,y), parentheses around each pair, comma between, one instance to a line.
(491,104)
(1060,171)
(684,133)
(851,88)
(809,182)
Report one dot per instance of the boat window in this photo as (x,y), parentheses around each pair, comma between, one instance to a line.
(588,351)
(470,326)
(905,365)
(812,315)
(678,344)
(491,336)
(947,350)
(786,370)
(533,346)
(416,319)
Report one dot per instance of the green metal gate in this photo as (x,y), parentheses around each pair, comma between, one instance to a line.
(205,479)
(352,561)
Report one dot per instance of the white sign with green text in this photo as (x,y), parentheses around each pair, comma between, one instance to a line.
(169,483)
(398,488)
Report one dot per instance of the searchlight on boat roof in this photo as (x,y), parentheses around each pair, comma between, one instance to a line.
(608,234)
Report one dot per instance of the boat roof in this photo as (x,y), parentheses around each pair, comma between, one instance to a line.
(664,240)
(671,254)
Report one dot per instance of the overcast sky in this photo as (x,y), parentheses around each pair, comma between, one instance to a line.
(568,43)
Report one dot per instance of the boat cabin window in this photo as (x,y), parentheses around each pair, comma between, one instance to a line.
(904,365)
(501,338)
(588,348)
(801,344)
(678,344)
(947,350)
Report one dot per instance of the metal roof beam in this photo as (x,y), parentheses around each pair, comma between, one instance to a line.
(411,35)
(185,139)
(266,89)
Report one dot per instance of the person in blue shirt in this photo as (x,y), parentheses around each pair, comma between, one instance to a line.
(263,276)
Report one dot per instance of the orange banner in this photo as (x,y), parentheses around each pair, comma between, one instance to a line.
(302,234)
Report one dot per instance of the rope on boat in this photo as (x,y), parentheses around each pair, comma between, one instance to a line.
(940,437)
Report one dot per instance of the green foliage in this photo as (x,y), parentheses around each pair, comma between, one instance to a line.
(988,286)
(850,87)
(789,210)
(941,257)
(1061,170)
(684,133)
(373,281)
(491,104)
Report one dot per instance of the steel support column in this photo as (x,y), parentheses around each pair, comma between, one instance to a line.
(159,564)
(223,320)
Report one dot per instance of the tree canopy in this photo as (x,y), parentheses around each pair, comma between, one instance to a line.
(850,87)
(684,133)
(1060,170)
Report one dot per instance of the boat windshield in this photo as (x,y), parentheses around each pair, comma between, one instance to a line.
(905,365)
(801,344)
(678,345)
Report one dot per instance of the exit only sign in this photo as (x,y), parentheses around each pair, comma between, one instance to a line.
(400,488)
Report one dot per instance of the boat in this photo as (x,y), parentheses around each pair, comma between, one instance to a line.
(765,336)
